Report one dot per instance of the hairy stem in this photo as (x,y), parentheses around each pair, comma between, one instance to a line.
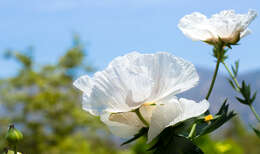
(213,79)
(254,112)
(209,92)
(232,76)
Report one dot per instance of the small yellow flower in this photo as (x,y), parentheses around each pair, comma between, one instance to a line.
(208,118)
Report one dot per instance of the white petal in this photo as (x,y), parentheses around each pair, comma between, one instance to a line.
(190,109)
(133,79)
(84,84)
(120,129)
(128,118)
(162,116)
(146,111)
(158,75)
(197,27)
(225,25)
(172,112)
(227,22)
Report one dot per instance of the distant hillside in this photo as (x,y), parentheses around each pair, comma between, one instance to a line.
(223,90)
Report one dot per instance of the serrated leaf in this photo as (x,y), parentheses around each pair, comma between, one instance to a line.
(245,91)
(141,133)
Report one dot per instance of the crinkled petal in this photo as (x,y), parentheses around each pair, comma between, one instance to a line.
(84,84)
(226,25)
(164,74)
(197,27)
(227,22)
(133,79)
(173,111)
(121,129)
(190,109)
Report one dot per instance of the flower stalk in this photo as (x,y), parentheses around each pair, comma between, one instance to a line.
(213,78)
(219,53)
(138,113)
(193,131)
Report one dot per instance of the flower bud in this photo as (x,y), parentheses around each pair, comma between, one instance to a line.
(13,135)
(12,152)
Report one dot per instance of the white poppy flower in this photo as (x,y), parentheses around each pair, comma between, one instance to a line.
(138,90)
(227,25)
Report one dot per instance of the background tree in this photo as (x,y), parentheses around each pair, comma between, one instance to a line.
(42,102)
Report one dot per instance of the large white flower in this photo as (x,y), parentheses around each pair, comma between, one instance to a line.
(227,25)
(138,90)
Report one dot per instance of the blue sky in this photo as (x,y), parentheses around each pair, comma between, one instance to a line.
(111,28)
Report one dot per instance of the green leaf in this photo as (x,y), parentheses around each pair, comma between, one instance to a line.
(242,101)
(170,143)
(253,97)
(235,68)
(245,91)
(141,133)
(257,132)
(223,116)
(231,83)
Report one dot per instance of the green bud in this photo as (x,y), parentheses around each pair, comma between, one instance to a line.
(12,152)
(13,135)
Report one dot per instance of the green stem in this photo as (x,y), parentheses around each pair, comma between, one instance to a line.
(193,128)
(15,150)
(213,79)
(238,89)
(138,113)
(254,112)
(209,92)
(232,76)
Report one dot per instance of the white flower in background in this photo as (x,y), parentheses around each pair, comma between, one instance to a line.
(227,25)
(144,84)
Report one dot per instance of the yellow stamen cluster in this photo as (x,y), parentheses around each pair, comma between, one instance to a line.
(208,118)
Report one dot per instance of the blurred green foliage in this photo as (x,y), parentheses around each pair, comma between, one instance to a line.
(42,103)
